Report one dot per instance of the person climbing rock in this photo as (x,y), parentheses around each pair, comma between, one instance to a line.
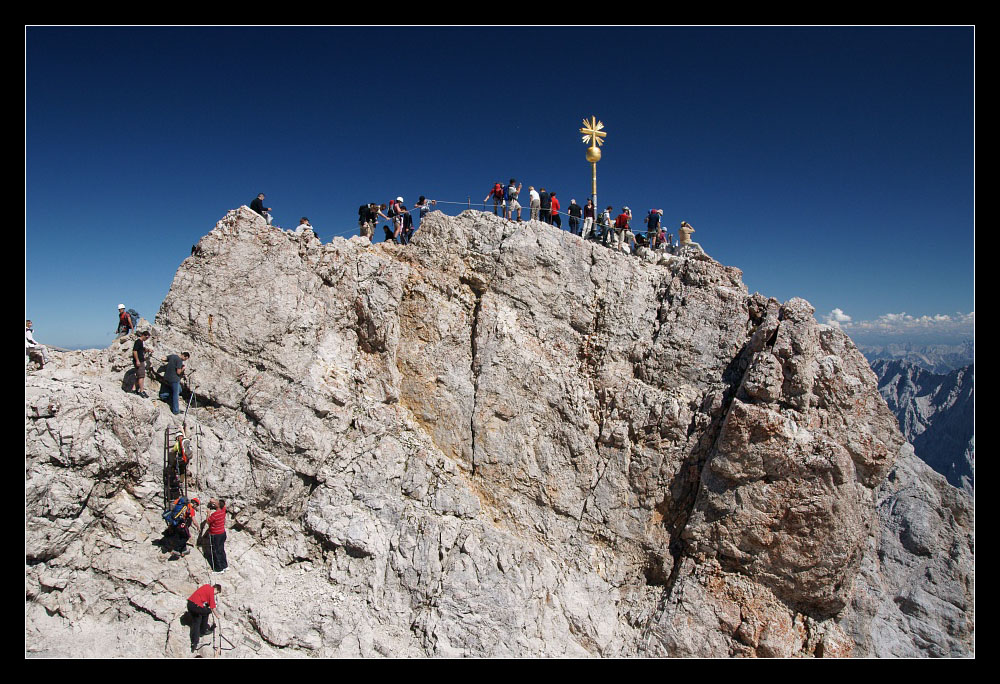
(180,519)
(170,389)
(125,322)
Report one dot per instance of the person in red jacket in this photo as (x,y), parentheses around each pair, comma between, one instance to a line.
(200,604)
(216,522)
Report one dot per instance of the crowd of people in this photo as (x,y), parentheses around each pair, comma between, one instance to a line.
(615,231)
(612,230)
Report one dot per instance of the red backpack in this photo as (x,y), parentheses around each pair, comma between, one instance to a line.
(498,191)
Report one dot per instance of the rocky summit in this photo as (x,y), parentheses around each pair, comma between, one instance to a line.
(499,440)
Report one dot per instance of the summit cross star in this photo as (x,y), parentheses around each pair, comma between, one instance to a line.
(593,133)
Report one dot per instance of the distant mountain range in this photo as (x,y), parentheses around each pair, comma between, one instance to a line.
(936,358)
(936,412)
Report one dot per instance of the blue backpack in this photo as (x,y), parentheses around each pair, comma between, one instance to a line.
(175,516)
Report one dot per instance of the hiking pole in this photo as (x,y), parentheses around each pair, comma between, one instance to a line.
(190,397)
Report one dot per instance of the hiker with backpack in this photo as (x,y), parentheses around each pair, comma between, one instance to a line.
(180,518)
(497,193)
(512,192)
(653,227)
(200,605)
(125,322)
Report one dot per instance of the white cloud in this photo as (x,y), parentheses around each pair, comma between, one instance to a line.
(906,324)
(837,317)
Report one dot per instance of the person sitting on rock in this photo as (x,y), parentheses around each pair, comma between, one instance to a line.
(32,350)
(258,206)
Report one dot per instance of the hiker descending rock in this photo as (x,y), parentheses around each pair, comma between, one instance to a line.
(200,605)
(125,322)
(497,193)
(180,518)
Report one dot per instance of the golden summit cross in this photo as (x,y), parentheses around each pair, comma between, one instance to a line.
(593,134)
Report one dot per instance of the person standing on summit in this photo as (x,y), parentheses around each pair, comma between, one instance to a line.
(258,206)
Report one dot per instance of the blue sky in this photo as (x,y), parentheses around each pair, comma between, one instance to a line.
(833,164)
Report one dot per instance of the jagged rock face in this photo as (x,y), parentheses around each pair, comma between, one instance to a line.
(500,440)
(936,414)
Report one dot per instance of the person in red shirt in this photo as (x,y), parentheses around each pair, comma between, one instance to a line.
(216,522)
(199,606)
(556,220)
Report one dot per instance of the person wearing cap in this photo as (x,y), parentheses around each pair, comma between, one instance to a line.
(258,206)
(200,605)
(399,216)
(125,322)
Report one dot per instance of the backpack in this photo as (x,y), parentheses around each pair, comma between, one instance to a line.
(177,513)
(653,219)
(497,191)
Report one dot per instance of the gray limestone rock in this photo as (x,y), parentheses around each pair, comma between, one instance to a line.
(500,440)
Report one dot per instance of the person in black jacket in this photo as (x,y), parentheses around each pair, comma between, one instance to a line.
(258,206)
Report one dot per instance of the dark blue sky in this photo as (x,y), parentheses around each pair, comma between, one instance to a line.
(834,164)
